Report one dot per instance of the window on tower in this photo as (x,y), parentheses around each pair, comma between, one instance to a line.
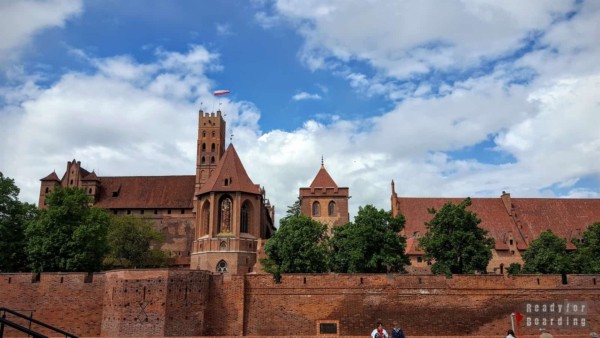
(245,218)
(212,147)
(316,209)
(203,146)
(331,208)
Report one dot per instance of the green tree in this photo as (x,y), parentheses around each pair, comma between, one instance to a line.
(587,257)
(455,242)
(298,246)
(69,235)
(133,242)
(370,244)
(514,269)
(294,209)
(547,254)
(14,215)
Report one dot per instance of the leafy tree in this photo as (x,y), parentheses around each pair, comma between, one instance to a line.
(299,245)
(455,241)
(131,240)
(69,235)
(587,257)
(514,269)
(370,244)
(547,254)
(14,216)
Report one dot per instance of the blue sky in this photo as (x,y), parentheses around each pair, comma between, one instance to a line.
(447,98)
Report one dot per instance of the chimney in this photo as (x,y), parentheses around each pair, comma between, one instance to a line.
(506,201)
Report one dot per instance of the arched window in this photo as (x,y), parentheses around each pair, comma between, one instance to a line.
(225,210)
(245,218)
(316,209)
(212,147)
(222,266)
(331,208)
(204,133)
(206,217)
(212,160)
(47,190)
(213,133)
(203,146)
(203,160)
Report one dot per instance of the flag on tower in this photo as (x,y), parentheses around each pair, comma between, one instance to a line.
(220,92)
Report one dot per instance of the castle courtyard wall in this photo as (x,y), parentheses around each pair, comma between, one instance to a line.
(171,302)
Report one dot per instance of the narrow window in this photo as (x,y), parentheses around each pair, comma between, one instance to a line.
(169,211)
(182,211)
(206,217)
(212,147)
(331,208)
(47,190)
(89,190)
(212,160)
(244,218)
(226,182)
(204,133)
(213,133)
(142,212)
(203,146)
(316,209)
(156,211)
(128,212)
(203,160)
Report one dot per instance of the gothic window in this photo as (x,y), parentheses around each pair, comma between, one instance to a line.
(331,209)
(212,160)
(245,219)
(203,160)
(203,146)
(212,147)
(222,266)
(225,215)
(47,190)
(206,217)
(316,210)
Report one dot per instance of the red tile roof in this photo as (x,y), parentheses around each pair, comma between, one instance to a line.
(567,218)
(146,192)
(91,177)
(230,170)
(51,177)
(323,179)
(412,248)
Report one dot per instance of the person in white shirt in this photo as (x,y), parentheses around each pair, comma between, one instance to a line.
(379,332)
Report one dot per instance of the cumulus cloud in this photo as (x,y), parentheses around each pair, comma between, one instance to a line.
(21,20)
(306,96)
(539,108)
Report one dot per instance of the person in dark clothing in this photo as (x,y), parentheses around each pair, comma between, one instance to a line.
(397,331)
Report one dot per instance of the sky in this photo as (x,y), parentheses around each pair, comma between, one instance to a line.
(447,98)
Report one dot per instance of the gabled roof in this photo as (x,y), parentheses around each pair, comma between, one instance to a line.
(91,177)
(230,175)
(146,192)
(323,179)
(494,217)
(567,218)
(51,177)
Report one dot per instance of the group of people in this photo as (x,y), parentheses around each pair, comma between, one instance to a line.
(380,332)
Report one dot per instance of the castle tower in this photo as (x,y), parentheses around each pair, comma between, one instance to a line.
(211,145)
(232,217)
(324,201)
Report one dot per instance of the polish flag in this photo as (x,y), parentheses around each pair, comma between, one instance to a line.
(220,92)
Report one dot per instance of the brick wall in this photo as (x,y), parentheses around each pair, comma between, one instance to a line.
(424,305)
(194,303)
(65,300)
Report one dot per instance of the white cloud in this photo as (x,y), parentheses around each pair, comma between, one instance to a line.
(306,96)
(224,29)
(21,20)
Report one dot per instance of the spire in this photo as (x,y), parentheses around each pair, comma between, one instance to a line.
(323,179)
(322,164)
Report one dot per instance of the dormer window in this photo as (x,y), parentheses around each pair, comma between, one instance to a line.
(226,182)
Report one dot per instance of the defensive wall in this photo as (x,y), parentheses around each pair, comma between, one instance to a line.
(179,302)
